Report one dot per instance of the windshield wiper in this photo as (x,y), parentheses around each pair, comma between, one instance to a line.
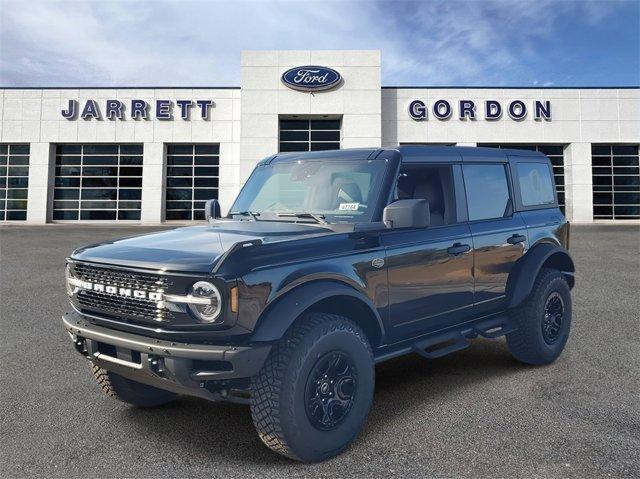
(319,218)
(254,215)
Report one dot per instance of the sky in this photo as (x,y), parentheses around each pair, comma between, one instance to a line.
(185,43)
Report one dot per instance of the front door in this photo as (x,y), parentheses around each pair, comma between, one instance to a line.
(429,269)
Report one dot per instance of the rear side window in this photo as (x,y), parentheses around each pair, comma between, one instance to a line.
(487,191)
(535,183)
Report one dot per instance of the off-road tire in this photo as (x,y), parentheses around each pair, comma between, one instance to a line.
(131,392)
(527,344)
(278,406)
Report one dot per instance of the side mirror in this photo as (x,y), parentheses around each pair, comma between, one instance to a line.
(407,214)
(212,210)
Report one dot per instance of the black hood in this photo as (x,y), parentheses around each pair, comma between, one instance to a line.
(194,248)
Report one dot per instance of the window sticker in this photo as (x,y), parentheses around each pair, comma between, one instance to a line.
(349,206)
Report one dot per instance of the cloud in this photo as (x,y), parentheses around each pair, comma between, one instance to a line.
(198,43)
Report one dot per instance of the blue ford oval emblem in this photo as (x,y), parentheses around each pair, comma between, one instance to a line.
(311,78)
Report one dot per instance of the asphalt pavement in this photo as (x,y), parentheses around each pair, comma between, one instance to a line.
(476,413)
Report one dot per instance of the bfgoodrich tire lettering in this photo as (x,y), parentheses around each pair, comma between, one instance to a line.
(535,342)
(278,391)
(131,392)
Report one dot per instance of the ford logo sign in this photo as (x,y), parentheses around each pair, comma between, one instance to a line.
(311,78)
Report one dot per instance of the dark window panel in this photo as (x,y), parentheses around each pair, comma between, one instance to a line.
(602,180)
(65,205)
(131,160)
(16,204)
(325,136)
(601,161)
(130,182)
(603,211)
(130,171)
(324,146)
(601,149)
(601,170)
(99,171)
(66,194)
(3,171)
(88,205)
(602,198)
(15,160)
(212,149)
(65,215)
(131,149)
(68,149)
(289,147)
(179,195)
(97,215)
(130,194)
(627,198)
(18,171)
(622,150)
(18,182)
(16,215)
(294,124)
(630,211)
(179,149)
(626,170)
(198,215)
(100,149)
(129,215)
(3,160)
(129,205)
(205,194)
(100,161)
(625,161)
(105,182)
(3,193)
(179,171)
(626,180)
(294,136)
(205,171)
(206,160)
(173,182)
(325,124)
(17,194)
(177,215)
(179,160)
(18,149)
(68,160)
(179,205)
(206,182)
(100,194)
(4,149)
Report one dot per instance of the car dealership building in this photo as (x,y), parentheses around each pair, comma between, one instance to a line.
(151,155)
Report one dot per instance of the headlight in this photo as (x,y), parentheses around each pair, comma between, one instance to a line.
(68,276)
(209,311)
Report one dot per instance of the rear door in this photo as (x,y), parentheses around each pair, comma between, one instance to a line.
(499,234)
(429,269)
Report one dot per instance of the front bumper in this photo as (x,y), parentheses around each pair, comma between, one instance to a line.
(203,370)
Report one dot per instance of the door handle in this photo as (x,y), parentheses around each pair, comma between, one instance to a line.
(458,248)
(515,239)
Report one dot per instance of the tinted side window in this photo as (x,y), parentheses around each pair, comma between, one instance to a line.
(487,191)
(535,183)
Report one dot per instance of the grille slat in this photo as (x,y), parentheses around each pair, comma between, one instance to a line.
(121,306)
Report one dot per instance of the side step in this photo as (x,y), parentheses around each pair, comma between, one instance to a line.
(452,341)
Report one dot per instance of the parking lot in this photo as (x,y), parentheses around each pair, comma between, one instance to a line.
(476,413)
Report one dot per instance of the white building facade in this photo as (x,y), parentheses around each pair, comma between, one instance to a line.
(150,155)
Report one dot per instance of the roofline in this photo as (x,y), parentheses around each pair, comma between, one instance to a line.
(434,87)
(425,87)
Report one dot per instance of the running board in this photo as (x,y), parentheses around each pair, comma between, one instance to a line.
(452,341)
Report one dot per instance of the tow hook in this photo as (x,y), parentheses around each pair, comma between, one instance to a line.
(81,345)
(156,364)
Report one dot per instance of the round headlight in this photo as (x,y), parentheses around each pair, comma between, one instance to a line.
(209,311)
(68,275)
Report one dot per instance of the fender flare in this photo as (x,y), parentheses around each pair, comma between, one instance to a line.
(523,275)
(280,315)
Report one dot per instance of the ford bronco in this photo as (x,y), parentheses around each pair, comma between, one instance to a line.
(326,264)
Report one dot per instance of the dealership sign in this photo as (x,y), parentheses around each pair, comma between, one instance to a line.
(137,109)
(492,109)
(311,78)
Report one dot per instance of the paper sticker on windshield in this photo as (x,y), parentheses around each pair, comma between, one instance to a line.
(349,206)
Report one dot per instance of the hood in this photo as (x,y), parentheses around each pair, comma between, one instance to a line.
(194,248)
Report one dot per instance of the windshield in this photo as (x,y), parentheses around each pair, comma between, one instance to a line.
(340,191)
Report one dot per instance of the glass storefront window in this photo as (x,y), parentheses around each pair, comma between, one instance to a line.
(309,135)
(14,182)
(616,182)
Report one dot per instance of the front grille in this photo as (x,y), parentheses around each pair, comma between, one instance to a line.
(118,306)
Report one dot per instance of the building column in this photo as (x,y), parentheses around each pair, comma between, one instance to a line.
(578,183)
(154,160)
(41,182)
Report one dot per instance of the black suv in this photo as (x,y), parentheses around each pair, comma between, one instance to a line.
(328,263)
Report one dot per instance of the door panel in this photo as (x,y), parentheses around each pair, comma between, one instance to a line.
(494,256)
(429,286)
